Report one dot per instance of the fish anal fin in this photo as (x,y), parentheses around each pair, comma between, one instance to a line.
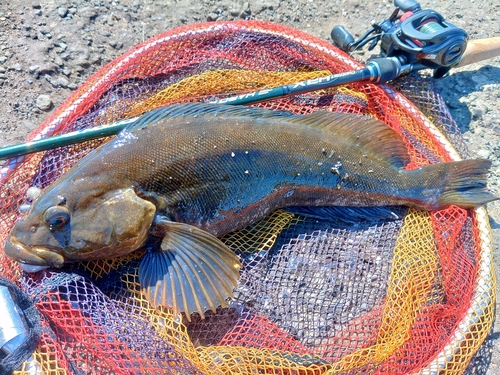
(369,135)
(192,272)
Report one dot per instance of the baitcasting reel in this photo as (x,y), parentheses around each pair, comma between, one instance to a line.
(418,37)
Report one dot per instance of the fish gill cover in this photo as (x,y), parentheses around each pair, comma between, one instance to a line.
(406,295)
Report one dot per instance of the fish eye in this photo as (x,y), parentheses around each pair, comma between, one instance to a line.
(56,217)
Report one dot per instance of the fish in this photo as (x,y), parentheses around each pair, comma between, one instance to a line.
(180,177)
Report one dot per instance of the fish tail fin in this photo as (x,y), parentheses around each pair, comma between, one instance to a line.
(192,272)
(464,183)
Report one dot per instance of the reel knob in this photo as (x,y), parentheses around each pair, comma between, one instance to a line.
(342,38)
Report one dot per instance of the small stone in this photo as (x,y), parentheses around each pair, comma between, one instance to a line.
(62,11)
(33,68)
(62,45)
(37,12)
(87,12)
(3,59)
(261,5)
(72,86)
(58,61)
(95,59)
(63,82)
(43,102)
(66,72)
(245,7)
(212,16)
(47,68)
(115,44)
(36,6)
(479,111)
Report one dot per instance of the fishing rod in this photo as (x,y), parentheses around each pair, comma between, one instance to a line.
(376,71)
(411,39)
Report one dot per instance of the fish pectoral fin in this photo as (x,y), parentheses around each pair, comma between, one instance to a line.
(192,272)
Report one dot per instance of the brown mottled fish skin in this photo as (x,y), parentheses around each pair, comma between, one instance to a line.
(220,172)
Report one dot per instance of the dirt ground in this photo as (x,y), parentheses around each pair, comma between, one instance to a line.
(48,48)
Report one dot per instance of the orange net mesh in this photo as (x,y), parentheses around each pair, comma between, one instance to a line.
(315,297)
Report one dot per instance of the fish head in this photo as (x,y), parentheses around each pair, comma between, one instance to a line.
(67,226)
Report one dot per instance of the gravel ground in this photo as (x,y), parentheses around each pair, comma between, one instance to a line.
(47,49)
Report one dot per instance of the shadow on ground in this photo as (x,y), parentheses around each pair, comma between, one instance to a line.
(457,86)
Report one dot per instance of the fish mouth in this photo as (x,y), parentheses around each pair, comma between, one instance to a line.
(38,256)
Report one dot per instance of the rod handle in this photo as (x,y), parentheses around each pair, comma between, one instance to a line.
(479,50)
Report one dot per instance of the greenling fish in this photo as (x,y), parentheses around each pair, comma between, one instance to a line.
(187,174)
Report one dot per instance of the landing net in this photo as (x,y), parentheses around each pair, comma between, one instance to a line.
(413,295)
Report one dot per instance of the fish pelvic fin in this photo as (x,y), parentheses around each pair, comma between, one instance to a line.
(192,272)
(464,183)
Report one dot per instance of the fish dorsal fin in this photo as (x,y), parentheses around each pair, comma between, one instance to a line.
(370,136)
(203,109)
